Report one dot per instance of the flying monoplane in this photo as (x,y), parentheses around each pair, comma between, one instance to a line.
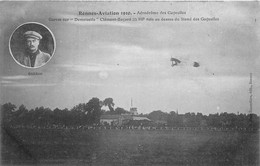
(175,61)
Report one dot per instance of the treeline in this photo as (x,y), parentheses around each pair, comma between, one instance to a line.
(89,114)
(82,114)
(218,120)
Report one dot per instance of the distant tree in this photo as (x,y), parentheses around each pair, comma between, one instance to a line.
(39,116)
(119,111)
(20,116)
(22,109)
(173,113)
(82,107)
(78,113)
(110,103)
(158,116)
(173,119)
(7,112)
(241,121)
(57,115)
(62,117)
(200,120)
(94,110)
(48,116)
(253,121)
(190,120)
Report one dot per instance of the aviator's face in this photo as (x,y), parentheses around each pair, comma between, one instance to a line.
(32,44)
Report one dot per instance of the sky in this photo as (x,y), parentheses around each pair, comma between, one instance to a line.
(125,60)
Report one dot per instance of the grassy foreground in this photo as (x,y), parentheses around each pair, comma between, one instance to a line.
(128,147)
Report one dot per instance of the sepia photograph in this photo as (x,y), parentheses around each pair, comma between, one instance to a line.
(128,83)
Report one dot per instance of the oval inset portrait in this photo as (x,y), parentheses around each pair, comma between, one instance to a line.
(32,45)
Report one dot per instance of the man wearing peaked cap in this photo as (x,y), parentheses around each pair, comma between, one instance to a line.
(32,34)
(33,56)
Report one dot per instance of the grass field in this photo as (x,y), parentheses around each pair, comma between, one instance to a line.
(129,147)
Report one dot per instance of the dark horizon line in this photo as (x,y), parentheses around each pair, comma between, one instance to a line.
(69,109)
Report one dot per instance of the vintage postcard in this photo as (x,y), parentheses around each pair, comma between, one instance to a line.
(129,83)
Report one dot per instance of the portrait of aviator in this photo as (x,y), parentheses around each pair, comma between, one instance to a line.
(32,45)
